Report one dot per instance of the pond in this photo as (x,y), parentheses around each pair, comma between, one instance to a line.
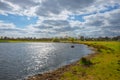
(19,60)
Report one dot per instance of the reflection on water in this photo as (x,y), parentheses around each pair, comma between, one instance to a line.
(18,60)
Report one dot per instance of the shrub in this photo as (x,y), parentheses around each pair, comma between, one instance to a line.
(85,61)
(55,40)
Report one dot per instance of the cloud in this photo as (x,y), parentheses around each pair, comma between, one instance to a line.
(24,3)
(4,6)
(52,28)
(57,6)
(52,24)
(95,22)
(10,29)
(23,8)
(6,25)
(91,17)
(57,26)
(114,18)
(103,24)
(56,22)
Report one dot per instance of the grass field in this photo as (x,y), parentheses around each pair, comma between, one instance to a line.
(106,64)
(20,41)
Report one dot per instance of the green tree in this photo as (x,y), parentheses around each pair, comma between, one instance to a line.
(55,40)
(71,39)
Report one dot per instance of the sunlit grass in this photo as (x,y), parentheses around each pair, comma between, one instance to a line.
(16,41)
(106,64)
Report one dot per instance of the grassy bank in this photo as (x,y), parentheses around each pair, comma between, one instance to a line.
(22,41)
(105,65)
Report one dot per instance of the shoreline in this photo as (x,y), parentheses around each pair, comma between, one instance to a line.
(101,65)
(57,73)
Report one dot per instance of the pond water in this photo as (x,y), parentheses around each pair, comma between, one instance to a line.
(19,60)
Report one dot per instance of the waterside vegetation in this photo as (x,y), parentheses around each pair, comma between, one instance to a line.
(104,64)
(57,39)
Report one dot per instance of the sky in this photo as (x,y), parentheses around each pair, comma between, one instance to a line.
(59,18)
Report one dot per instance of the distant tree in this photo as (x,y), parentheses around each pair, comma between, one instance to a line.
(117,38)
(55,40)
(6,37)
(82,38)
(71,39)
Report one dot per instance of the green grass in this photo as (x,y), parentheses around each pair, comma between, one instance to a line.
(3,41)
(16,41)
(106,64)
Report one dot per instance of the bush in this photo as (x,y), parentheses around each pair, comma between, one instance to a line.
(85,61)
(55,40)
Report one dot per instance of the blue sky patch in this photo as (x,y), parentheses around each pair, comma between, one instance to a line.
(19,21)
(76,18)
(110,8)
(79,17)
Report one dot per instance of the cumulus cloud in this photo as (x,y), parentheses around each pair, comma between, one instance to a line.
(4,6)
(6,25)
(24,3)
(9,29)
(56,22)
(114,18)
(58,26)
(100,17)
(57,6)
(25,7)
(106,24)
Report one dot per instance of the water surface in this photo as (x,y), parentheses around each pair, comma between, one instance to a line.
(19,60)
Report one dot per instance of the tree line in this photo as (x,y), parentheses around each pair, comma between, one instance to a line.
(57,39)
